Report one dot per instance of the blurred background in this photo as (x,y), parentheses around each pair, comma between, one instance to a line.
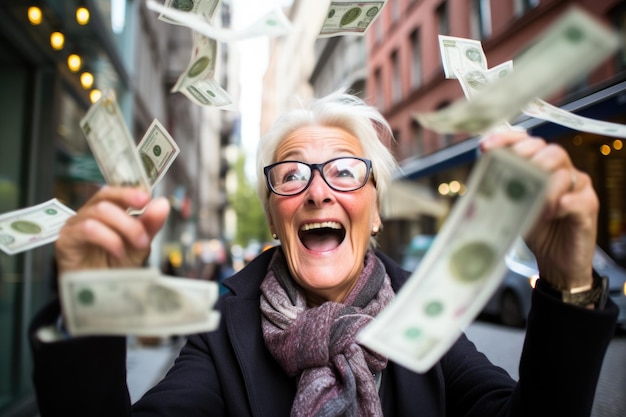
(58,56)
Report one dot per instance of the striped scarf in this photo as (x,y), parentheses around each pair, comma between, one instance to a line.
(335,374)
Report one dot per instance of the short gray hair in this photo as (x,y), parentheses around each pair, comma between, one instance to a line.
(341,110)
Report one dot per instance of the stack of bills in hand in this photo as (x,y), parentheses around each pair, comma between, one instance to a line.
(464,265)
(112,145)
(138,302)
(120,161)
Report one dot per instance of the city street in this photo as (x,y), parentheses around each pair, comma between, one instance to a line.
(503,346)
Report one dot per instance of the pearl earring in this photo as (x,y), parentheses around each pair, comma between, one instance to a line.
(274,236)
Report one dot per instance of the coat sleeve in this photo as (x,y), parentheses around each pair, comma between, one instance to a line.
(83,376)
(559,367)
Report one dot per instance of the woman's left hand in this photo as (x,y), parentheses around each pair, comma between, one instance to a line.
(564,237)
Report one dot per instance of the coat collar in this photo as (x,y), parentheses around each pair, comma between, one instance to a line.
(270,390)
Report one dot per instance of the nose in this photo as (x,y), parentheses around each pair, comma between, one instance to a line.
(318,192)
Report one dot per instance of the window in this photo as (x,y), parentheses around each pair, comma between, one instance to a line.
(619,21)
(380,95)
(378,29)
(396,81)
(524,6)
(443,21)
(395,10)
(444,139)
(480,19)
(417,144)
(416,59)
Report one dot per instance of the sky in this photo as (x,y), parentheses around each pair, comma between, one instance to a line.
(254,56)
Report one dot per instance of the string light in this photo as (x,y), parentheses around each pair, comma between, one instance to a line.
(451,188)
(57,40)
(94,95)
(82,15)
(34,15)
(86,80)
(74,62)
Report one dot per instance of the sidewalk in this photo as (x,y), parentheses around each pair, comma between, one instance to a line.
(147,364)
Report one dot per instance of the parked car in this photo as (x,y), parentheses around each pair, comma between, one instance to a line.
(415,251)
(511,301)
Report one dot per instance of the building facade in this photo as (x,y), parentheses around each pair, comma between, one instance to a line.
(405,76)
(43,152)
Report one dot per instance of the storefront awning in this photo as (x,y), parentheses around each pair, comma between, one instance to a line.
(603,104)
(409,200)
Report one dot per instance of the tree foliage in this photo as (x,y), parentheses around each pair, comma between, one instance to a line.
(251,222)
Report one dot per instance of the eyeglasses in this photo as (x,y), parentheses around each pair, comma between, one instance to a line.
(347,173)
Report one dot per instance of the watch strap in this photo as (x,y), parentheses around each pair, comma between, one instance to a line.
(595,293)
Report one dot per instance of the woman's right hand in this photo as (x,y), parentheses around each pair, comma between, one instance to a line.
(103,235)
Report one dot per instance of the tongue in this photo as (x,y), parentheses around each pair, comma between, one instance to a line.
(320,241)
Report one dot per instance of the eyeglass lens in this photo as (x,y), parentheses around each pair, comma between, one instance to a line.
(343,174)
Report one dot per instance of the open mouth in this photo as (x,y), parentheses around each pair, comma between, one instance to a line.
(323,236)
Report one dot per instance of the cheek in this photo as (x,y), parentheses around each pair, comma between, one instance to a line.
(363,212)
(282,211)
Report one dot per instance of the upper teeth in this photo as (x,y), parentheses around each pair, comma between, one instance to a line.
(311,226)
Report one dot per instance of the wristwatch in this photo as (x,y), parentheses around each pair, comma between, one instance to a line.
(595,293)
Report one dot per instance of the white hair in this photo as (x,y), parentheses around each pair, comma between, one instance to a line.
(341,110)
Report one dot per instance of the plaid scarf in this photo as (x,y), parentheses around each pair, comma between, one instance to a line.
(335,374)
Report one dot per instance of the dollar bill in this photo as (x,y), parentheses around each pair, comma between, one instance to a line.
(460,54)
(546,111)
(273,23)
(350,17)
(207,92)
(31,227)
(569,49)
(138,302)
(475,80)
(112,145)
(201,64)
(464,265)
(157,150)
(205,8)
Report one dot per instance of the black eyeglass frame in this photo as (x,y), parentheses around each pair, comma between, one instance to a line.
(320,169)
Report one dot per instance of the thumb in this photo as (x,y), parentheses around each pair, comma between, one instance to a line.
(155,215)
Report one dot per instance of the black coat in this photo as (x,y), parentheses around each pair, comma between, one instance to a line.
(229,372)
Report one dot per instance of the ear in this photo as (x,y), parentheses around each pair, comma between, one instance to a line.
(376,224)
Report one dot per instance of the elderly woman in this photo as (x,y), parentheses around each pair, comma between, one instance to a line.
(286,343)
